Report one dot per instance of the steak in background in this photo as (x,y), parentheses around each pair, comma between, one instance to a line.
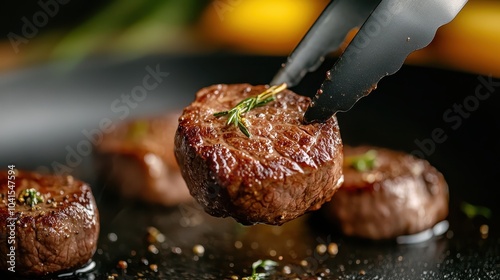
(400,195)
(285,169)
(55,235)
(137,159)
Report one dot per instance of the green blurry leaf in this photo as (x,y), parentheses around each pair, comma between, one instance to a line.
(472,211)
(127,27)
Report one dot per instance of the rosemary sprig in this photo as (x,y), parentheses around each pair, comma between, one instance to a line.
(235,114)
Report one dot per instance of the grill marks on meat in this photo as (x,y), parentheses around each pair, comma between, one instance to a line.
(401,195)
(56,235)
(137,158)
(284,170)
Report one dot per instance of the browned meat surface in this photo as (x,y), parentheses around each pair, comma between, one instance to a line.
(401,195)
(137,158)
(55,235)
(282,171)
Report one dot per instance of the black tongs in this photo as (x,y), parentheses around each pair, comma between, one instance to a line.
(389,31)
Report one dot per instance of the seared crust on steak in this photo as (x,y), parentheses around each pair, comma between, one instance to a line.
(401,195)
(282,171)
(56,235)
(137,159)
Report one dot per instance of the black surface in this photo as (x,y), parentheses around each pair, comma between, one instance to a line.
(45,110)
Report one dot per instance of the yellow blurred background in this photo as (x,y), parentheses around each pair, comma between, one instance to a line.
(130,29)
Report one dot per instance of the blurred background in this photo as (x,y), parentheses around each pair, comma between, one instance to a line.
(35,32)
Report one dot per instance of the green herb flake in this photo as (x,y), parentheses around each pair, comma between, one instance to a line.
(266,265)
(235,114)
(30,197)
(472,211)
(363,162)
(138,130)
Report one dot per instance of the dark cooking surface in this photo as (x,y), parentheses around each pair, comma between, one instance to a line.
(43,112)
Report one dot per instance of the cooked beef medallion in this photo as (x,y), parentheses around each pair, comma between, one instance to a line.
(386,194)
(137,159)
(282,171)
(49,223)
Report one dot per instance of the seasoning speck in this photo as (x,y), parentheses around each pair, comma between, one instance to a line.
(238,244)
(152,249)
(362,272)
(154,235)
(484,230)
(198,250)
(321,249)
(333,249)
(122,264)
(153,267)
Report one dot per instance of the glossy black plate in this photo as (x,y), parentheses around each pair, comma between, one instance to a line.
(47,112)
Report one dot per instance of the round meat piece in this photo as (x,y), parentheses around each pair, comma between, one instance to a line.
(50,223)
(285,169)
(137,158)
(399,195)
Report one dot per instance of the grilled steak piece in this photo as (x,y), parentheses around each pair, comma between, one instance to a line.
(55,235)
(400,195)
(137,158)
(282,171)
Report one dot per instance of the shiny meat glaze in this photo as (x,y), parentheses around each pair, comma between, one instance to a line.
(137,157)
(56,235)
(284,170)
(401,195)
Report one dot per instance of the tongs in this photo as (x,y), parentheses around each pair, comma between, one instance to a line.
(389,30)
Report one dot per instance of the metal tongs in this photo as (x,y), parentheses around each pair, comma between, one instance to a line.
(389,31)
